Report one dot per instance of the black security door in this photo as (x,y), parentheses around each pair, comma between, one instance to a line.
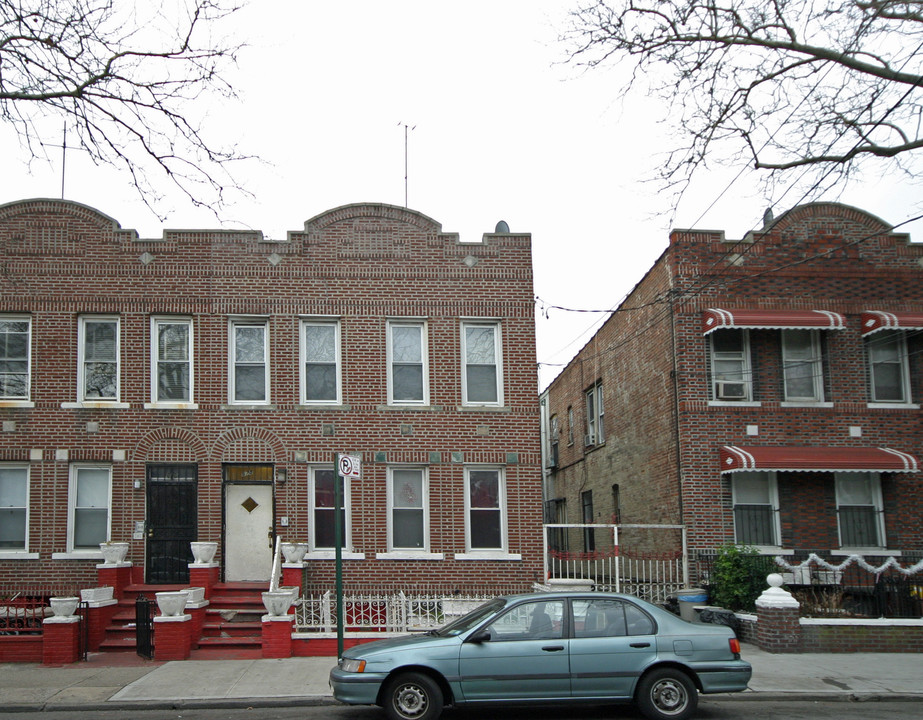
(172,522)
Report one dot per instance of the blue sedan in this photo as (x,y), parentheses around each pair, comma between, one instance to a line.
(547,648)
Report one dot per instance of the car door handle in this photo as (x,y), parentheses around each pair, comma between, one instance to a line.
(640,645)
(553,648)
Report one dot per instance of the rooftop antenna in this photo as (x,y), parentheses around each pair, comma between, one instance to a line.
(63,147)
(406,128)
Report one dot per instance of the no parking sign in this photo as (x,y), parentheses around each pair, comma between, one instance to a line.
(349,466)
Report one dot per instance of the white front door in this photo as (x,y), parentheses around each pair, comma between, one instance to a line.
(248,532)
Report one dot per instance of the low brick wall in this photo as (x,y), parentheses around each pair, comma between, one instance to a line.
(21,648)
(896,635)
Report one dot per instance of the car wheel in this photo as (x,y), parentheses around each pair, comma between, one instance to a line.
(413,696)
(666,694)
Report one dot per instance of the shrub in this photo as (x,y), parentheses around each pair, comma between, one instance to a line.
(739,577)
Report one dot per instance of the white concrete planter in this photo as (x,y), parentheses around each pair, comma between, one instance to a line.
(97,594)
(294,552)
(63,606)
(172,604)
(195,594)
(565,585)
(114,552)
(203,552)
(277,602)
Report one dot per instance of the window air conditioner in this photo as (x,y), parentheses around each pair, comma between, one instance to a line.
(725,390)
(589,439)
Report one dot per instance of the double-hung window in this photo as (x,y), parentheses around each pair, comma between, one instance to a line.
(756,509)
(408,367)
(485,510)
(90,498)
(98,359)
(860,517)
(408,521)
(595,413)
(888,369)
(481,367)
(730,365)
(322,507)
(14,507)
(321,378)
(15,357)
(249,371)
(172,360)
(802,366)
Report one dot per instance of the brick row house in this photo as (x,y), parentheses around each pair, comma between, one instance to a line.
(197,387)
(764,392)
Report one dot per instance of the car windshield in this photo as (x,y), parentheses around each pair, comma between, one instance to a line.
(472,619)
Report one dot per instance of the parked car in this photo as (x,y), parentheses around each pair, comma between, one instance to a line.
(547,648)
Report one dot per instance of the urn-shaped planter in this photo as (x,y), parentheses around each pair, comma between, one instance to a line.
(114,552)
(294,552)
(277,602)
(97,594)
(203,552)
(171,604)
(63,606)
(195,594)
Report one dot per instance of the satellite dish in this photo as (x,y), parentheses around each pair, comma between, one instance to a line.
(502,227)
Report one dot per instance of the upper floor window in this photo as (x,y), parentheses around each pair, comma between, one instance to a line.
(730,365)
(408,370)
(860,517)
(485,510)
(888,368)
(320,362)
(14,507)
(98,359)
(408,521)
(172,360)
(595,432)
(756,509)
(90,498)
(589,534)
(802,366)
(249,374)
(15,345)
(481,369)
(570,425)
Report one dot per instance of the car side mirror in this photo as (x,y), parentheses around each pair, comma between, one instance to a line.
(480,637)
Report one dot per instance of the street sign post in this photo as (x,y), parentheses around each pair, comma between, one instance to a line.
(348,466)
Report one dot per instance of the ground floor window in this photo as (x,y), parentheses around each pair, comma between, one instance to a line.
(756,508)
(485,510)
(322,505)
(14,507)
(860,516)
(90,498)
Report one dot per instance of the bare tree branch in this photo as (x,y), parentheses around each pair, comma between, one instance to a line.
(128,77)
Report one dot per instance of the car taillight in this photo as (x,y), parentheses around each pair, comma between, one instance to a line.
(735,645)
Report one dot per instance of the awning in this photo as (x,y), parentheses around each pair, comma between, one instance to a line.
(816,459)
(715,318)
(875,320)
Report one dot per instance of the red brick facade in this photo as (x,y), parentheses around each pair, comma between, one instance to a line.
(359,268)
(663,426)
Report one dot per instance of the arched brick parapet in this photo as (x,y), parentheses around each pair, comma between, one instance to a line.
(242,445)
(170,444)
(381,211)
(819,210)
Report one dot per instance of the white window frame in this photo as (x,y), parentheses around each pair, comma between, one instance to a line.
(72,506)
(82,359)
(424,352)
(316,552)
(499,553)
(405,553)
(814,362)
(13,552)
(595,416)
(156,322)
(303,362)
(24,398)
(901,361)
(874,479)
(742,357)
(773,504)
(497,362)
(233,324)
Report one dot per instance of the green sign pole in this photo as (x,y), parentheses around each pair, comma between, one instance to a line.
(338,550)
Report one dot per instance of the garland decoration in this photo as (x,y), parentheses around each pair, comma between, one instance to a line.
(857,559)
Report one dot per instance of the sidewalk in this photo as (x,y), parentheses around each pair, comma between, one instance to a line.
(127,682)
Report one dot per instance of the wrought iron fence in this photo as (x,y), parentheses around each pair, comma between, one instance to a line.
(144,626)
(23,614)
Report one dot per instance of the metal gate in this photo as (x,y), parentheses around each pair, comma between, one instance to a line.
(172,522)
(144,627)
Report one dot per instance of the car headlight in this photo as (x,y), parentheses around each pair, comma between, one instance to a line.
(352,665)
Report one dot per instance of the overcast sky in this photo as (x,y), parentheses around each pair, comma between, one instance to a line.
(503,129)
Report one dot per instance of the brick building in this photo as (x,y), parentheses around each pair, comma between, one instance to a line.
(764,392)
(197,387)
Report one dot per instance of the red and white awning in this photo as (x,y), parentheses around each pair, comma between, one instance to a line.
(816,459)
(715,318)
(875,320)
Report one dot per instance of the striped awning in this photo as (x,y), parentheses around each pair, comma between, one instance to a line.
(875,320)
(816,459)
(715,318)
